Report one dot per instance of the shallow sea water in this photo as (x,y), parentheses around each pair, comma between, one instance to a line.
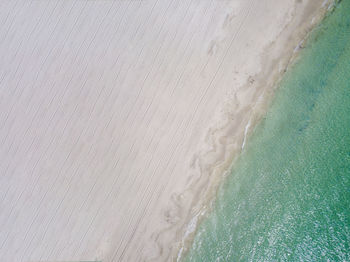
(288,196)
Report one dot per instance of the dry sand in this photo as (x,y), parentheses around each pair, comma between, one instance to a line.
(119,117)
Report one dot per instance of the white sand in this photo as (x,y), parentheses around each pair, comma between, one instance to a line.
(116,115)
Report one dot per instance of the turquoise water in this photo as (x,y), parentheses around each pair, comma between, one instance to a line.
(288,197)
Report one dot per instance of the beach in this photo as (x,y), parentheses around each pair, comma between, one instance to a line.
(287,198)
(119,119)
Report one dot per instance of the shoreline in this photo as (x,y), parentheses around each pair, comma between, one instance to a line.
(222,168)
(120,119)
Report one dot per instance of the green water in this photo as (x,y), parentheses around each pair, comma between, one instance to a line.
(288,197)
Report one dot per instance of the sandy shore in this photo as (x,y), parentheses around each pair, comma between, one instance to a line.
(119,118)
